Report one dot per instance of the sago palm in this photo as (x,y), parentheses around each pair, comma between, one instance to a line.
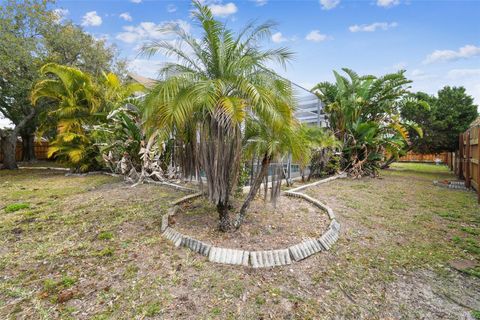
(219,81)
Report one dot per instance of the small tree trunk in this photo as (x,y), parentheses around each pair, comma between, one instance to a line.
(252,192)
(28,147)
(8,147)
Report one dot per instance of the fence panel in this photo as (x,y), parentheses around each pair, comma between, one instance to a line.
(40,148)
(418,157)
(469,159)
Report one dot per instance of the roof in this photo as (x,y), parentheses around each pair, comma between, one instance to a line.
(147,82)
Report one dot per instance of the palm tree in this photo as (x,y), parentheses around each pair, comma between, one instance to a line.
(271,141)
(364,112)
(82,103)
(218,82)
(78,100)
(322,143)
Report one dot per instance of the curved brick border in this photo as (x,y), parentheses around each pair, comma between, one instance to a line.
(257,259)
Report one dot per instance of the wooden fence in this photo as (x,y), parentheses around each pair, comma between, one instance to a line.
(465,163)
(40,148)
(418,157)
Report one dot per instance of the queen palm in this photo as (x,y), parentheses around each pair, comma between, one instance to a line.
(218,82)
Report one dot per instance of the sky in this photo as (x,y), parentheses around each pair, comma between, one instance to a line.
(436,42)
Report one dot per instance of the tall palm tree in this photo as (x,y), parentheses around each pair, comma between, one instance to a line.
(218,82)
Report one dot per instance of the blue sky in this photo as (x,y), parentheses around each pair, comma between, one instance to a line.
(437,42)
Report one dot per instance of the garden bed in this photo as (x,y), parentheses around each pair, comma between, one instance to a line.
(265,228)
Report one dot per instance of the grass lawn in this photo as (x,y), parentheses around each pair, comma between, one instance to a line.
(90,248)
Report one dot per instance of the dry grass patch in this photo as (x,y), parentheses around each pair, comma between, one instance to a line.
(90,248)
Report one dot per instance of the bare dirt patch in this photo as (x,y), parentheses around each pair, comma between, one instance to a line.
(266,227)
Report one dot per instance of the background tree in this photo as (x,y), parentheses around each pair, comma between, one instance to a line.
(20,28)
(270,141)
(30,36)
(451,112)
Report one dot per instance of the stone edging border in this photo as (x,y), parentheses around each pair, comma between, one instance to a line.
(452,184)
(257,259)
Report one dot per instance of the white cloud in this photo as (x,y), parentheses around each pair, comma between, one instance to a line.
(136,1)
(465,52)
(417,73)
(400,66)
(151,31)
(102,37)
(387,3)
(329,4)
(223,10)
(372,27)
(91,19)
(431,83)
(278,37)
(316,36)
(463,73)
(260,3)
(171,8)
(126,16)
(145,67)
(60,14)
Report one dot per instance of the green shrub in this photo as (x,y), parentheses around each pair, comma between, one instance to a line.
(16,206)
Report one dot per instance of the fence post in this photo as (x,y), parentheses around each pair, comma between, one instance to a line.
(460,156)
(478,164)
(467,161)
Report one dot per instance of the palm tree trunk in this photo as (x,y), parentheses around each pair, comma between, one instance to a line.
(265,188)
(220,158)
(253,191)
(223,216)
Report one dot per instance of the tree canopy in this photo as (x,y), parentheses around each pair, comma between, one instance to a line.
(30,36)
(451,112)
